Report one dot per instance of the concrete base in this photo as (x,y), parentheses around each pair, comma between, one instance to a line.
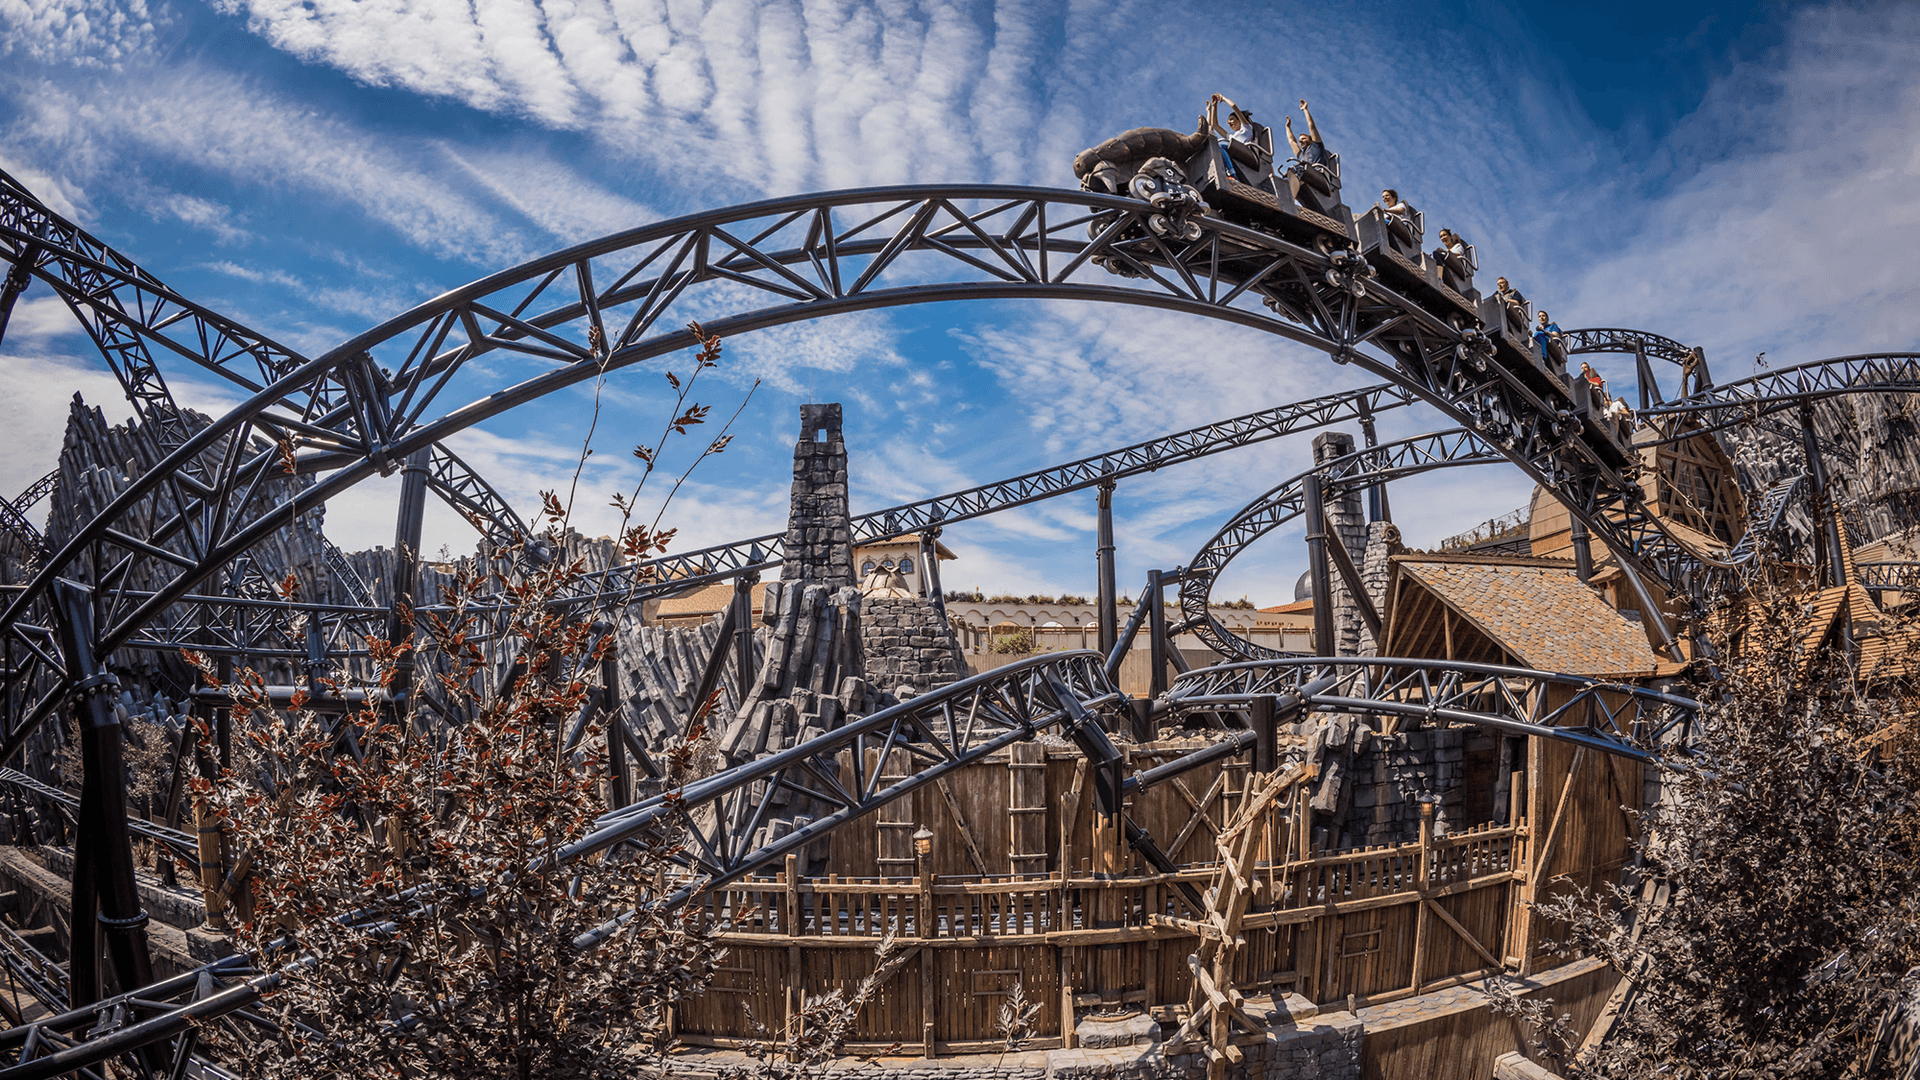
(1108,1032)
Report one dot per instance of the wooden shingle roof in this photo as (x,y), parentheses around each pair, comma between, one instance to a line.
(1538,611)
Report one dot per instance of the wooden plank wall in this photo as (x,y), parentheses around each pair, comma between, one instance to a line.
(1011,899)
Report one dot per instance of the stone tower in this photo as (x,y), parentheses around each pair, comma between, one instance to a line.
(819,538)
(1347,523)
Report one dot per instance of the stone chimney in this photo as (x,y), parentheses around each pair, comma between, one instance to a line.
(1346,523)
(819,535)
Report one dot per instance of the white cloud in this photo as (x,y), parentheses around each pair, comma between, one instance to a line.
(188,114)
(780,95)
(1795,232)
(57,193)
(551,195)
(91,32)
(214,217)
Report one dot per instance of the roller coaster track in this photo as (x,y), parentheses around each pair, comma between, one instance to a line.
(1389,461)
(134,320)
(13,514)
(1901,577)
(1288,500)
(346,416)
(1614,718)
(249,626)
(1746,400)
(941,731)
(370,404)
(675,572)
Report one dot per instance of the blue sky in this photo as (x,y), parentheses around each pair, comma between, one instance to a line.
(1732,175)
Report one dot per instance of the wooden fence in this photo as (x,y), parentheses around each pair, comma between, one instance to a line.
(1378,923)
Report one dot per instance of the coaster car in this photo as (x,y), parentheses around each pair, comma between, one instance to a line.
(1234,176)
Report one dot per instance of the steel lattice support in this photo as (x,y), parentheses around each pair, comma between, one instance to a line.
(1612,717)
(348,415)
(106,913)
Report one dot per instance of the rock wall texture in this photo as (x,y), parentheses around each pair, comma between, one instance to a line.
(1347,523)
(1370,784)
(819,539)
(907,644)
(1870,445)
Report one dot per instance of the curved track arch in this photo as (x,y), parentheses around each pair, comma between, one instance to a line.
(1630,721)
(1744,401)
(362,407)
(1287,500)
(348,415)
(135,320)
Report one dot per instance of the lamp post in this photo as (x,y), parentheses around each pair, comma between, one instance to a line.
(924,930)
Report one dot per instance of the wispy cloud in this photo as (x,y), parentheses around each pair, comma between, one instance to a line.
(193,116)
(87,32)
(1794,232)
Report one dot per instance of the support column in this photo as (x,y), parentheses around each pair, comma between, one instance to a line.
(14,285)
(743,631)
(1377,508)
(1702,378)
(930,569)
(1582,550)
(1266,735)
(406,571)
(1826,530)
(1109,600)
(1323,643)
(619,772)
(1643,374)
(106,911)
(1156,636)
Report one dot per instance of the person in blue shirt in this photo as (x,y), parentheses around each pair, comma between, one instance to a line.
(1307,149)
(1546,335)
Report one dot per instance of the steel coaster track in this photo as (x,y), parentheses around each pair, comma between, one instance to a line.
(13,514)
(180,843)
(129,314)
(1287,500)
(671,573)
(245,626)
(941,731)
(1890,576)
(1363,469)
(1612,717)
(1745,401)
(815,256)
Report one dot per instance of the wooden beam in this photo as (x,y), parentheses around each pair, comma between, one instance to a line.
(1539,868)
(1199,813)
(960,821)
(1448,918)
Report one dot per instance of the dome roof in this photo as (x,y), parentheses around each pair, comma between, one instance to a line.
(1303,589)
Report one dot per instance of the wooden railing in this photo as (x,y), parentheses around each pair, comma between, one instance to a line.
(1380,922)
(1056,908)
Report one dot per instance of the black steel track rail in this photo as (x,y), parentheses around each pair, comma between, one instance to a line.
(604,305)
(1748,400)
(135,320)
(816,256)
(941,731)
(684,569)
(1612,717)
(944,730)
(1287,501)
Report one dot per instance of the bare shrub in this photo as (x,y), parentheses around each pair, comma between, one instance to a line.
(402,858)
(1786,843)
